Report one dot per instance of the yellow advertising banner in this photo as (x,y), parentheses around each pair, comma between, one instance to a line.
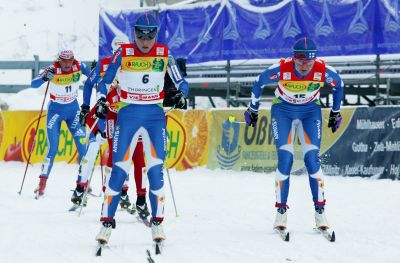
(18,138)
(188,136)
(234,145)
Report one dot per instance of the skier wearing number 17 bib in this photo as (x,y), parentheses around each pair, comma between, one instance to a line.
(64,78)
(297,106)
(141,67)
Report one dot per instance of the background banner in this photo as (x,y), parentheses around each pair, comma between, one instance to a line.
(367,144)
(229,29)
(187,147)
(17,136)
(239,147)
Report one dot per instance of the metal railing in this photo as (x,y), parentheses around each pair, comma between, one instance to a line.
(34,66)
(376,80)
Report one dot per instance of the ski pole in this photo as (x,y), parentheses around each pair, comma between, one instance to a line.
(232,119)
(87,189)
(101,170)
(172,192)
(34,138)
(168,111)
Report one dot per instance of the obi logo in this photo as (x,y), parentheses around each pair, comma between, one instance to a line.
(39,145)
(76,76)
(62,79)
(294,86)
(158,65)
(138,65)
(228,153)
(313,86)
(176,144)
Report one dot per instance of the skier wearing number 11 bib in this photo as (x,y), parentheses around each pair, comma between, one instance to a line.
(64,79)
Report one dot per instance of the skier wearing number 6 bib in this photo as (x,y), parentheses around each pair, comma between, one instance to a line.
(297,106)
(140,68)
(64,78)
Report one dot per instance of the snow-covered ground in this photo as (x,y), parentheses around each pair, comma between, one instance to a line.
(223,217)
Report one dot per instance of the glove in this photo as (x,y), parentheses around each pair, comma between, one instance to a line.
(83,114)
(251,117)
(49,75)
(101,108)
(93,65)
(179,100)
(335,119)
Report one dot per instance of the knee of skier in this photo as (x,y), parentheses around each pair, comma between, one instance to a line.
(116,180)
(312,162)
(285,161)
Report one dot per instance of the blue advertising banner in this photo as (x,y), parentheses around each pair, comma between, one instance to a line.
(232,29)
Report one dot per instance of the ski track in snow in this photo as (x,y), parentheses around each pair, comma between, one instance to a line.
(224,216)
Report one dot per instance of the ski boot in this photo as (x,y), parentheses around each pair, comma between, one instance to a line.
(105,231)
(39,191)
(124,201)
(142,210)
(77,196)
(320,219)
(157,231)
(281,218)
(157,234)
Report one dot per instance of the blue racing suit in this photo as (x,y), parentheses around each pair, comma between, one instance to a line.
(63,106)
(297,106)
(141,81)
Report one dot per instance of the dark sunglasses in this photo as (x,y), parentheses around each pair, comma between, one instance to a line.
(145,34)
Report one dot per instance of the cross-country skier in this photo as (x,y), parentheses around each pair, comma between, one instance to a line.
(104,130)
(64,77)
(297,106)
(141,69)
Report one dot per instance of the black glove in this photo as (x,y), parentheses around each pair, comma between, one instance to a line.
(49,74)
(251,117)
(101,108)
(83,114)
(335,119)
(94,63)
(179,100)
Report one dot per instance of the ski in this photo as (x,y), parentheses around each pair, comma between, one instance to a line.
(326,233)
(158,245)
(89,193)
(283,233)
(129,210)
(149,258)
(143,214)
(73,208)
(143,220)
(100,245)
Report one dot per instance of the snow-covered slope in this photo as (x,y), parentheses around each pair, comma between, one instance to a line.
(224,216)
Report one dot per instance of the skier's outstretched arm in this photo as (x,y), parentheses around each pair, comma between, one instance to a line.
(271,75)
(332,79)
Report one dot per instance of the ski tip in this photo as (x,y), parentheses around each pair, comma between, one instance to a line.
(98,252)
(333,237)
(287,237)
(158,250)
